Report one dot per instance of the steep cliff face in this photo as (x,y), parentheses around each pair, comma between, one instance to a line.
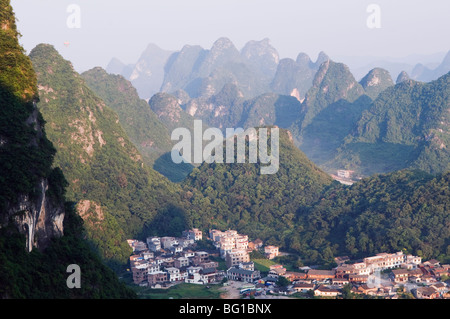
(28,199)
(32,205)
(39,218)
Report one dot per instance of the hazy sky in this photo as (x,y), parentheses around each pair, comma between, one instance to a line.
(122,29)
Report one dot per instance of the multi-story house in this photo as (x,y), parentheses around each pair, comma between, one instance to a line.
(237,256)
(194,234)
(200,257)
(154,244)
(185,243)
(247,265)
(271,251)
(137,246)
(385,261)
(209,264)
(241,242)
(181,262)
(400,275)
(140,272)
(158,277)
(413,261)
(175,249)
(188,253)
(239,274)
(276,271)
(147,255)
(153,267)
(173,274)
(193,270)
(228,240)
(344,270)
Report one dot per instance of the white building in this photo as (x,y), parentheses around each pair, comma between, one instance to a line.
(173,274)
(193,270)
(194,278)
(193,233)
(176,249)
(236,257)
(154,244)
(153,268)
(228,241)
(271,251)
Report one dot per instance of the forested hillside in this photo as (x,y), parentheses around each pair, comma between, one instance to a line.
(406,126)
(405,210)
(116,193)
(262,206)
(143,127)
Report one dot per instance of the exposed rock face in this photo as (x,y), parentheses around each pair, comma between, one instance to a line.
(39,218)
(169,111)
(376,81)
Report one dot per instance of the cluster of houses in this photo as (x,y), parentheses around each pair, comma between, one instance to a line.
(365,277)
(162,261)
(166,260)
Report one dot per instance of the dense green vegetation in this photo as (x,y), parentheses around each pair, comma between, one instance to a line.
(103,168)
(143,127)
(333,82)
(376,81)
(263,206)
(405,127)
(405,210)
(321,139)
(300,209)
(16,70)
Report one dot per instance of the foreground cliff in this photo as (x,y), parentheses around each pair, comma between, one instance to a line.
(28,199)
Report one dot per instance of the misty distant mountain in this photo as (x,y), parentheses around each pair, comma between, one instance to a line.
(256,69)
(403,76)
(203,73)
(262,56)
(200,72)
(423,73)
(115,66)
(295,78)
(361,65)
(147,74)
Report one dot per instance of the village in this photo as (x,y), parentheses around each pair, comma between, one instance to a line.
(162,262)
